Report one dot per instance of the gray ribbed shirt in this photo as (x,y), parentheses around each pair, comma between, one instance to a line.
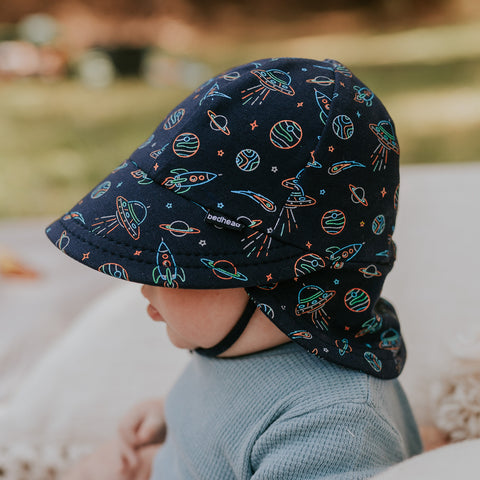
(283,414)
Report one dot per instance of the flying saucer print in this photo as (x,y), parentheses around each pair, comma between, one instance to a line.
(272,80)
(224,269)
(370,271)
(178,228)
(130,215)
(383,130)
(311,300)
(358,195)
(218,122)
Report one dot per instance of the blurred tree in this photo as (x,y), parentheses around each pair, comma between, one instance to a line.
(204,9)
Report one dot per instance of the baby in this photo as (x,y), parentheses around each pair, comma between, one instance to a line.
(259,217)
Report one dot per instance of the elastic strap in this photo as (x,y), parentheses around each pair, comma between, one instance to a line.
(234,334)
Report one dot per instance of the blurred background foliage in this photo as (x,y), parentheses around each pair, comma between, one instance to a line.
(84,82)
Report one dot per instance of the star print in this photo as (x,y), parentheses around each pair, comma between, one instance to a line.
(155,167)
(308,245)
(169,205)
(331,148)
(322,192)
(336,281)
(269,277)
(254,125)
(347,328)
(137,252)
(383,192)
(299,104)
(86,256)
(220,205)
(220,153)
(358,114)
(202,243)
(274,169)
(362,223)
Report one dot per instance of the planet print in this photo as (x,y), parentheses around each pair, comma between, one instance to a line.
(373,361)
(358,195)
(186,145)
(247,160)
(179,228)
(357,300)
(100,190)
(174,119)
(219,123)
(378,224)
(308,263)
(333,222)
(342,126)
(224,269)
(286,134)
(114,270)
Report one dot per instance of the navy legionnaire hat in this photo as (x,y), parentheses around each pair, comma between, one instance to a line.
(279,176)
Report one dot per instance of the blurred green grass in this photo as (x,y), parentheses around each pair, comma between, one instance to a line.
(59,139)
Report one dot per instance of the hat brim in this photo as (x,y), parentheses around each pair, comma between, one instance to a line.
(135,229)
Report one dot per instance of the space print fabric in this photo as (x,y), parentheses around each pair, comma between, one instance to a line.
(279,176)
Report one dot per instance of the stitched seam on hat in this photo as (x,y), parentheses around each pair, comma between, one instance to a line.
(178,254)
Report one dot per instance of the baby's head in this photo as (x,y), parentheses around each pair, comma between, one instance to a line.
(278,178)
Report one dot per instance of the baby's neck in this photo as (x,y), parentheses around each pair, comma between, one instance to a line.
(260,334)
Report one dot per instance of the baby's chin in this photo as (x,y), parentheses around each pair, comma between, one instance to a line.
(179,341)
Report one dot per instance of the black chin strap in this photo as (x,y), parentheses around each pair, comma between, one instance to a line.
(234,334)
